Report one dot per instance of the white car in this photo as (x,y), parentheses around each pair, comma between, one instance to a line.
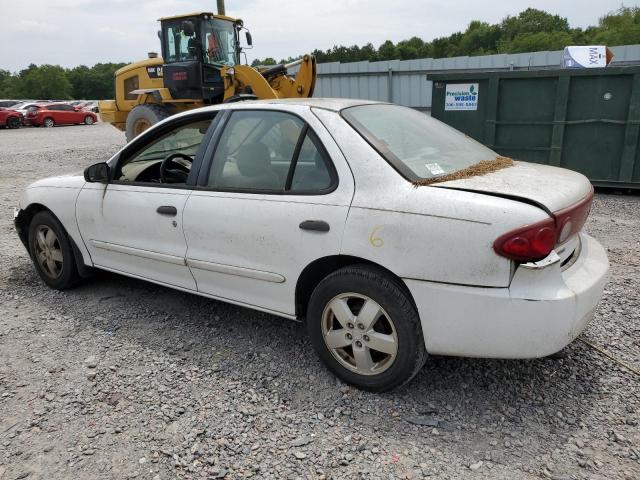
(314,210)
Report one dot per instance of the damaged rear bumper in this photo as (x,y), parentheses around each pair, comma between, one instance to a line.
(542,311)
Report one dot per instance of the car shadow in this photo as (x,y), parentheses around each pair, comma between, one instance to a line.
(273,354)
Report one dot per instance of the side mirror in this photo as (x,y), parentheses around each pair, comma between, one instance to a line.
(97,173)
(249,39)
(188,28)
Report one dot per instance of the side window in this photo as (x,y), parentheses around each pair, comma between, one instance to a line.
(312,171)
(171,45)
(256,151)
(144,165)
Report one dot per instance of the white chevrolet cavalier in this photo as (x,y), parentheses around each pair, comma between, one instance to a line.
(319,210)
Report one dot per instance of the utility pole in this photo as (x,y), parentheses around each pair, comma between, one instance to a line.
(221,7)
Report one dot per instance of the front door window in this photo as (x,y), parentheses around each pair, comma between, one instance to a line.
(167,159)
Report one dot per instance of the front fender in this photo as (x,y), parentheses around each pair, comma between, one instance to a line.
(58,195)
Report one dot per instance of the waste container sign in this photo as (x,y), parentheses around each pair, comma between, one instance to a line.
(461,96)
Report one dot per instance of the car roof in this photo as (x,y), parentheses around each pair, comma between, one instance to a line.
(331,104)
(334,104)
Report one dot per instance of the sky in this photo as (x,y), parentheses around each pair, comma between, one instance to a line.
(75,32)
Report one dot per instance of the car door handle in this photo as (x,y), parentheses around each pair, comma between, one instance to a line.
(167,210)
(315,225)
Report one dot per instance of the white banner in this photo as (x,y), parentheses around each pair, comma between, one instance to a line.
(461,96)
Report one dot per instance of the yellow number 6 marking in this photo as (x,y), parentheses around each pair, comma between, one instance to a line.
(373,239)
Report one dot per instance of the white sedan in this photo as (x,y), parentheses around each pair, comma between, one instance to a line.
(390,234)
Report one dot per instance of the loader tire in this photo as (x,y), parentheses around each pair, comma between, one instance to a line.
(143,117)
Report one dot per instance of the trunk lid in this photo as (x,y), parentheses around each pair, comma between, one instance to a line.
(552,188)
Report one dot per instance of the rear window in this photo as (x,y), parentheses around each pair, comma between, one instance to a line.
(418,146)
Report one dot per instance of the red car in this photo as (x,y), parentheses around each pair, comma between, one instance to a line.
(10,118)
(51,114)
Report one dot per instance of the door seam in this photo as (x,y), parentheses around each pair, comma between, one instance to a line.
(184,235)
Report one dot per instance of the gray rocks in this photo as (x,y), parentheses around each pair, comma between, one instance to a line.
(91,361)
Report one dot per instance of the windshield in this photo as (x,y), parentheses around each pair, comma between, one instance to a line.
(219,42)
(418,146)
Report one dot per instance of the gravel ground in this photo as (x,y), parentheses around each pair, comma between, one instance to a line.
(124,379)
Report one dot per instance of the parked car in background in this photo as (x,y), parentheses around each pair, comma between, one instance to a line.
(24,107)
(10,118)
(8,103)
(326,211)
(49,115)
(91,106)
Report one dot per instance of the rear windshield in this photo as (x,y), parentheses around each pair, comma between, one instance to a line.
(418,146)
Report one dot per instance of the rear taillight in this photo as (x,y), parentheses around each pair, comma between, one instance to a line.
(570,221)
(528,244)
(534,242)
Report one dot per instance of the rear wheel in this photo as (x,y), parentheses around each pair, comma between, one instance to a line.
(142,117)
(13,122)
(88,120)
(365,328)
(51,251)
(48,122)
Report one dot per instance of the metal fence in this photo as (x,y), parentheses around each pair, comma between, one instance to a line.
(405,82)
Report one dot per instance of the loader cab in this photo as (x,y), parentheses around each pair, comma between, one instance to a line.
(195,49)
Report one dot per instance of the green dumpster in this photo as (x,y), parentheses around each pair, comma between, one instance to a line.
(586,120)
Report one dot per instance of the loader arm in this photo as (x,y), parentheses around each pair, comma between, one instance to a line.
(302,85)
(280,85)
(245,76)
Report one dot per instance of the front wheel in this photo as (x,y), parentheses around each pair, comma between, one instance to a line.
(365,328)
(88,120)
(52,252)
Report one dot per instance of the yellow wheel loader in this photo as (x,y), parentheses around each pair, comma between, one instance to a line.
(200,66)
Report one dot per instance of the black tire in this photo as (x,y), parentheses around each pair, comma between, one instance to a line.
(48,122)
(13,122)
(88,120)
(151,114)
(394,299)
(68,276)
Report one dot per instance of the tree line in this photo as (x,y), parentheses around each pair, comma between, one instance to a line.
(54,82)
(531,30)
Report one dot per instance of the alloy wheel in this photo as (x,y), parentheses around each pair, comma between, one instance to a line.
(48,252)
(359,334)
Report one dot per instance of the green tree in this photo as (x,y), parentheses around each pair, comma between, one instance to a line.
(480,38)
(387,51)
(266,61)
(535,42)
(619,28)
(532,20)
(44,82)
